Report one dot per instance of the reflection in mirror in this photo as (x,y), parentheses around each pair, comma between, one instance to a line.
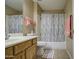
(13,17)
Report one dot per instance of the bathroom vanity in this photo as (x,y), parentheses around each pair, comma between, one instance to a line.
(21,48)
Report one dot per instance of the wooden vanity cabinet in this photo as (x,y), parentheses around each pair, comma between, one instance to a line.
(31,52)
(20,55)
(24,50)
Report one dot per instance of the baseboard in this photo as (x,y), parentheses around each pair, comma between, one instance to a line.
(69,54)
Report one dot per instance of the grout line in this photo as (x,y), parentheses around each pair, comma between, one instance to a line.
(69,54)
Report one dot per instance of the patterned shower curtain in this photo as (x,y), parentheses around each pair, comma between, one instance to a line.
(52,27)
(14,23)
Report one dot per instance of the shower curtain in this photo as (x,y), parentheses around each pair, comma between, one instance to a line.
(52,27)
(14,23)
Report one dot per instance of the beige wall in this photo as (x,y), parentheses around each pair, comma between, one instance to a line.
(11,11)
(54,11)
(33,10)
(39,11)
(28,8)
(37,18)
(27,11)
(68,12)
(37,15)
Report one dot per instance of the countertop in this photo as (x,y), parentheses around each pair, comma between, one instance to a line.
(17,39)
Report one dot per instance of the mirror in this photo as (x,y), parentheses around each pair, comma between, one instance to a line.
(13,17)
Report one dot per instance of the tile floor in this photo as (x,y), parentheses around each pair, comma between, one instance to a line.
(58,54)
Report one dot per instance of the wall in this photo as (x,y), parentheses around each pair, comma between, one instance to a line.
(53,11)
(37,18)
(27,11)
(11,11)
(33,10)
(39,11)
(69,41)
(28,8)
(35,15)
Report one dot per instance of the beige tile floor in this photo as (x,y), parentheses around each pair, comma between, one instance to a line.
(58,54)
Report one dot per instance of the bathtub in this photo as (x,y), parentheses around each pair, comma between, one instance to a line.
(53,45)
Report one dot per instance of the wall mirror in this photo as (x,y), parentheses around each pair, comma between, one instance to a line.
(13,17)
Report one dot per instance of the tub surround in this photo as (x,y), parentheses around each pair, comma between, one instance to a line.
(22,47)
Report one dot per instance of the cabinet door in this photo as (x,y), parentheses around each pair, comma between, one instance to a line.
(9,58)
(31,52)
(20,55)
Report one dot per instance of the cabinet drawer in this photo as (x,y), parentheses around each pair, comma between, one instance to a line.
(34,41)
(9,51)
(20,47)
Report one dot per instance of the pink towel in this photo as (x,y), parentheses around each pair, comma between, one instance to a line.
(27,21)
(67,26)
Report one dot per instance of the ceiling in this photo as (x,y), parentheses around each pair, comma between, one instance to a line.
(52,4)
(15,4)
(44,4)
